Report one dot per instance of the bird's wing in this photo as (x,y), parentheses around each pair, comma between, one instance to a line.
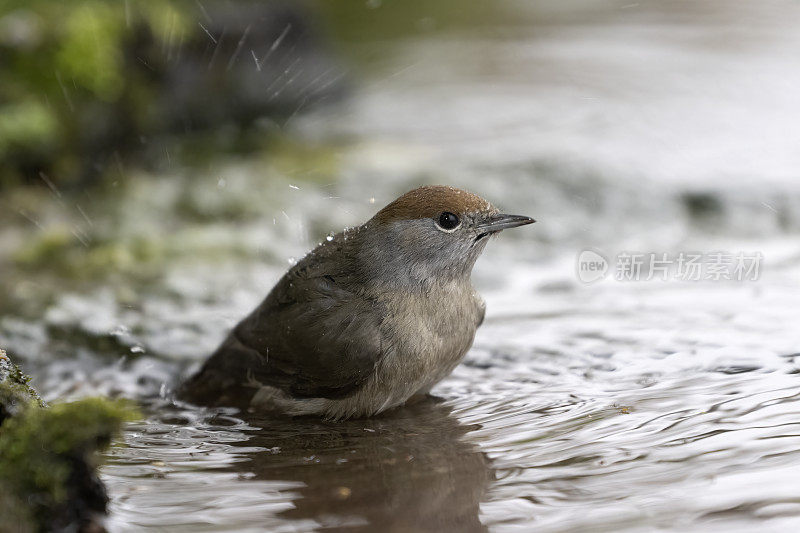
(313,337)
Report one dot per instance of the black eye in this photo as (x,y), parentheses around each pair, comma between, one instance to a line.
(448,220)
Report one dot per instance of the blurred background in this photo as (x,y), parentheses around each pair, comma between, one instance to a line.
(162,164)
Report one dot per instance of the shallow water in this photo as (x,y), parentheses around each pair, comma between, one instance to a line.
(638,416)
(613,406)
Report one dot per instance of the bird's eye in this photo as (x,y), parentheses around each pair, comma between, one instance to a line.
(448,221)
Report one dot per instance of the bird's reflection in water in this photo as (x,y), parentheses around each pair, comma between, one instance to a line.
(409,469)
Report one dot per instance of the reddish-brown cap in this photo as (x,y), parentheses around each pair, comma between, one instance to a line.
(430,201)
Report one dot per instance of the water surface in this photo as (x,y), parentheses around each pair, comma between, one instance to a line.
(614,406)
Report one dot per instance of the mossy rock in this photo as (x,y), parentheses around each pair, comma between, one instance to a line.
(48,459)
(15,391)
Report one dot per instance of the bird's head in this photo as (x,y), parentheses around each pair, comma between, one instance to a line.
(433,232)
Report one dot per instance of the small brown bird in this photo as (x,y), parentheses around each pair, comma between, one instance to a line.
(377,314)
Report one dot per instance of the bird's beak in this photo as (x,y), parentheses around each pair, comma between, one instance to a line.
(496,223)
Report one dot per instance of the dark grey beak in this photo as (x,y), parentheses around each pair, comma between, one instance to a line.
(497,223)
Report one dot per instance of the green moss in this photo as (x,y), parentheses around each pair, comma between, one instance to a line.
(69,75)
(305,161)
(60,250)
(166,19)
(26,123)
(47,456)
(47,248)
(90,54)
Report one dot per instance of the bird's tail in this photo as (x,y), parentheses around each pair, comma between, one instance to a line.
(223,378)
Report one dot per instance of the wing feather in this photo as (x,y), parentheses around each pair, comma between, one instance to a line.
(310,337)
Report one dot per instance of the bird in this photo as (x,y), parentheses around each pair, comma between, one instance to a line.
(373,317)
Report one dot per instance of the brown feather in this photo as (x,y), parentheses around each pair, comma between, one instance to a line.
(431,200)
